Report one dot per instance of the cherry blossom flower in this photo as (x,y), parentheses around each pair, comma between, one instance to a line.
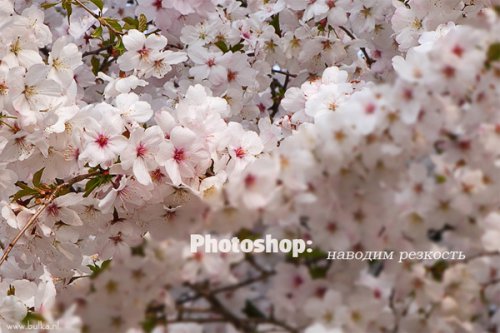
(64,59)
(140,152)
(20,52)
(12,310)
(120,85)
(103,141)
(34,92)
(132,109)
(140,50)
(207,64)
(182,156)
(255,186)
(243,146)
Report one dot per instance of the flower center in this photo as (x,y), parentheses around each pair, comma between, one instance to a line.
(231,76)
(141,150)
(102,140)
(29,91)
(53,209)
(458,51)
(211,62)
(158,4)
(262,107)
(240,152)
(298,281)
(159,65)
(179,155)
(58,64)
(448,72)
(417,24)
(370,108)
(4,90)
(157,175)
(250,180)
(366,12)
(15,47)
(144,52)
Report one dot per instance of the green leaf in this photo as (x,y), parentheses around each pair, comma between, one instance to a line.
(315,255)
(143,23)
(138,250)
(98,3)
(113,23)
(130,23)
(96,270)
(318,272)
(47,5)
(247,234)
(437,270)
(493,54)
(119,46)
(275,22)
(95,182)
(37,177)
(149,324)
(22,185)
(97,33)
(440,179)
(130,20)
(237,47)
(66,5)
(95,65)
(24,193)
(222,46)
(32,318)
(252,311)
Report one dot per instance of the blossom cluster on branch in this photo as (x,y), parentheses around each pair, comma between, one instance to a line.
(360,125)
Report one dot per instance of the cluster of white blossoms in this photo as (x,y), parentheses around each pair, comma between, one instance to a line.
(361,125)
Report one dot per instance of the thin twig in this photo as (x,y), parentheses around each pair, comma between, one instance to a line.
(369,61)
(278,71)
(242,284)
(87,9)
(96,51)
(198,320)
(32,221)
(101,20)
(220,308)
(246,325)
(392,306)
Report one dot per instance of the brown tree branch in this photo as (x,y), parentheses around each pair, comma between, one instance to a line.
(32,221)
